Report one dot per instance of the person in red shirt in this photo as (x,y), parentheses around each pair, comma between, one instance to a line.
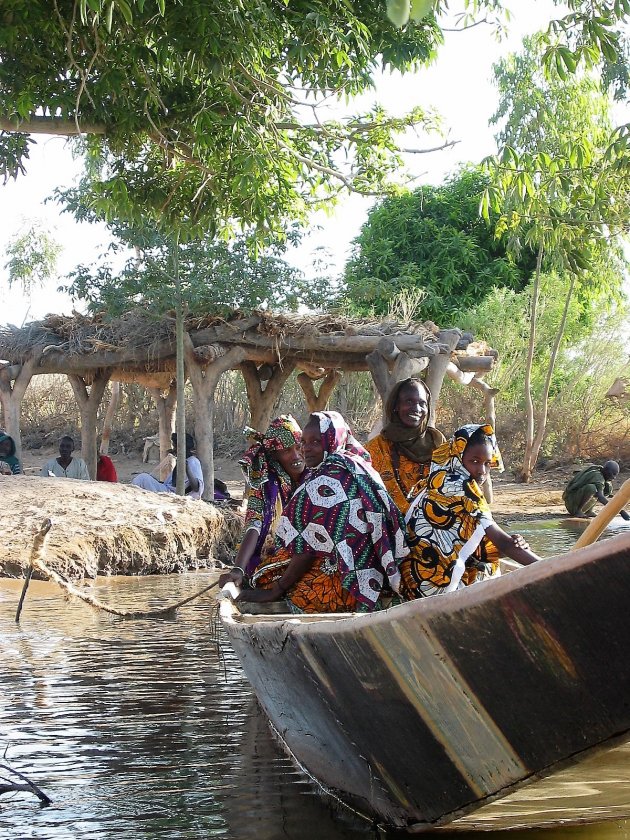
(105,469)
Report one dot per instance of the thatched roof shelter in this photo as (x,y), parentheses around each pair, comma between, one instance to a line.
(265,347)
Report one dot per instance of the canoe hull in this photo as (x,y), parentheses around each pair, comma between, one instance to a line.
(430,710)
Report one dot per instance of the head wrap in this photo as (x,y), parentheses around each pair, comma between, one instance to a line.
(283,433)
(448,456)
(416,444)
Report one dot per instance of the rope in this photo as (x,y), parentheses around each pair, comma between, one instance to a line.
(94,602)
(37,562)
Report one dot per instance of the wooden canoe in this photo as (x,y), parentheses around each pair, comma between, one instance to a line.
(426,712)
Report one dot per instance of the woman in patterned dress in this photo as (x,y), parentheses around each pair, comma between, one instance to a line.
(452,537)
(401,454)
(341,538)
(274,466)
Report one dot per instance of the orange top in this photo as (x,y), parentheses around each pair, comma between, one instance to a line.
(399,480)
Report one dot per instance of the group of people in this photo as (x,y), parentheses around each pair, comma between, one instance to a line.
(65,465)
(334,527)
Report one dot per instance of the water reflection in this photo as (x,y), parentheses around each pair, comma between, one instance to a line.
(147,728)
(555,536)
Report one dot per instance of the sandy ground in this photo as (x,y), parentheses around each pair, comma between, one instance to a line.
(101,528)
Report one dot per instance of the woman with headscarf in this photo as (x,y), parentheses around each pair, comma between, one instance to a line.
(9,463)
(401,454)
(453,538)
(273,466)
(340,538)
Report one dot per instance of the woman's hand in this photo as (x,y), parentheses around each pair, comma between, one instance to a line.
(520,541)
(262,596)
(235,575)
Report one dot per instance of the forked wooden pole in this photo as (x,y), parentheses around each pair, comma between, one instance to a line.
(36,551)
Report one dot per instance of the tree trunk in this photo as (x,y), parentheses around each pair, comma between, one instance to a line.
(541,420)
(204,377)
(526,471)
(88,407)
(165,404)
(317,401)
(109,418)
(262,401)
(12,395)
(436,370)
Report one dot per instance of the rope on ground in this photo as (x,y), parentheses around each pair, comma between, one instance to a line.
(37,562)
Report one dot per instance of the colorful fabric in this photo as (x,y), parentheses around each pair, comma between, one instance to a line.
(399,473)
(402,454)
(446,524)
(105,469)
(580,493)
(9,458)
(343,516)
(269,485)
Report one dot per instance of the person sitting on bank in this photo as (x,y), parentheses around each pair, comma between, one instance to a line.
(590,485)
(452,536)
(105,469)
(66,465)
(340,538)
(274,466)
(9,463)
(402,452)
(193,483)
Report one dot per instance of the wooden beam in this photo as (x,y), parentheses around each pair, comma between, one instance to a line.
(51,125)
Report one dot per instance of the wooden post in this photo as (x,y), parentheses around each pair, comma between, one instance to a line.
(205,367)
(109,418)
(262,401)
(438,366)
(11,395)
(89,403)
(317,401)
(165,404)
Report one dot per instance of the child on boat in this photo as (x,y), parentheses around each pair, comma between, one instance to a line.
(453,539)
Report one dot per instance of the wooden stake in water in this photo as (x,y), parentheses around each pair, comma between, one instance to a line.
(36,551)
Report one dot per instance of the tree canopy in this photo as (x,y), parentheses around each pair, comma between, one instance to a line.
(213,276)
(434,240)
(207,110)
(208,116)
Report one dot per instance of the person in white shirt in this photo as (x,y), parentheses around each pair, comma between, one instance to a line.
(193,485)
(66,466)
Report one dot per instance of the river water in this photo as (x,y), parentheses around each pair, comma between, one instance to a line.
(148,729)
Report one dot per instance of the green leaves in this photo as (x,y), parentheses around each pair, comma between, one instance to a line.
(431,240)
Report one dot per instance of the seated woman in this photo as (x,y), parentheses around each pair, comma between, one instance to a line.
(274,466)
(453,539)
(193,483)
(9,463)
(402,452)
(340,538)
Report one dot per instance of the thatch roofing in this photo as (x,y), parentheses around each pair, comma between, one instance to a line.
(140,343)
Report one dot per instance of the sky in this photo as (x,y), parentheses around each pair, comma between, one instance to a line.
(459,86)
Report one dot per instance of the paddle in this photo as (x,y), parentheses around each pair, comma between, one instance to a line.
(606,514)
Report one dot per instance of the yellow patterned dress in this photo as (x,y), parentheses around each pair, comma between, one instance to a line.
(399,473)
(446,525)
